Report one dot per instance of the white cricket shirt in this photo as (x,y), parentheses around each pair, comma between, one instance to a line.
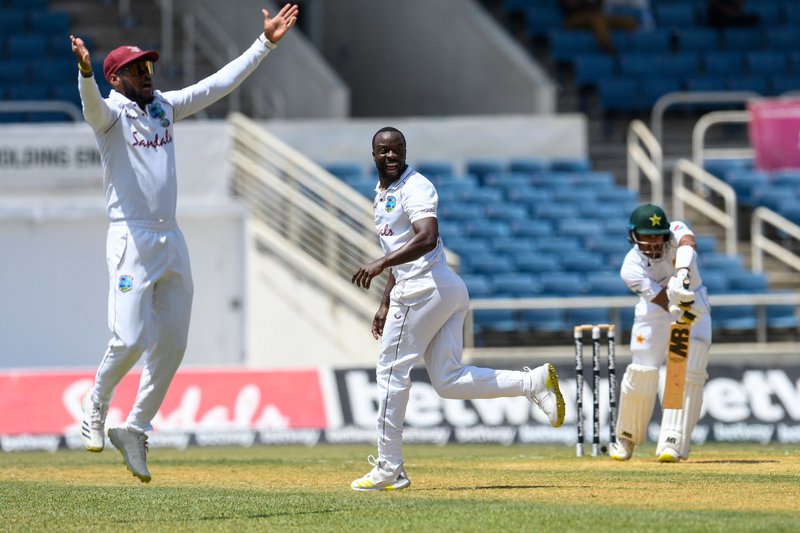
(647,278)
(409,198)
(136,146)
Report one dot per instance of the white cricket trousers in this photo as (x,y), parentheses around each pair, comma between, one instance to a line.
(426,322)
(149,306)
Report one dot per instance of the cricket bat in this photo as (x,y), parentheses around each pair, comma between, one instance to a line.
(677,357)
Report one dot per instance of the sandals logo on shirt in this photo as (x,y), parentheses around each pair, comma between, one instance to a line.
(125,283)
(391,203)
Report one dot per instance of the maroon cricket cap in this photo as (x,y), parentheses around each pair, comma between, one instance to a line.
(125,55)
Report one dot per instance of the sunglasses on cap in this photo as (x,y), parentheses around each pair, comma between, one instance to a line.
(137,69)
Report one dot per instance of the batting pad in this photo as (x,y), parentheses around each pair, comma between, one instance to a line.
(638,396)
(677,424)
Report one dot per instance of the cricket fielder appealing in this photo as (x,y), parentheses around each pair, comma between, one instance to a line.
(421,315)
(662,257)
(150,293)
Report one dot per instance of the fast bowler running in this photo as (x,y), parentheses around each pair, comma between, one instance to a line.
(150,293)
(421,316)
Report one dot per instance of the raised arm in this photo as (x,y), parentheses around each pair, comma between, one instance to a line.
(276,27)
(95,110)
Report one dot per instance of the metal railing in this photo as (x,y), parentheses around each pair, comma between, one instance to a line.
(698,195)
(761,244)
(716,118)
(645,158)
(692,97)
(43,106)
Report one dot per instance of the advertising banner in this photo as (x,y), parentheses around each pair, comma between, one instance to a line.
(775,133)
(246,407)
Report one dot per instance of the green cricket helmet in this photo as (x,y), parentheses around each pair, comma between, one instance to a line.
(647,220)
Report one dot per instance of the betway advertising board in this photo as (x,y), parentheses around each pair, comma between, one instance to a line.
(41,410)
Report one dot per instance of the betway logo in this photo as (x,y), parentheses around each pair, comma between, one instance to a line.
(426,408)
(766,395)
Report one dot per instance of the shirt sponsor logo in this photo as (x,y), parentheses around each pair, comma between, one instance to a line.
(155,143)
(385,231)
(125,283)
(391,203)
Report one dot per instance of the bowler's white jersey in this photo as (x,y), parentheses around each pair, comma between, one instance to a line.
(136,146)
(409,198)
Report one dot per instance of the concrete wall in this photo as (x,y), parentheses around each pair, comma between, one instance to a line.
(456,139)
(298,82)
(54,284)
(423,57)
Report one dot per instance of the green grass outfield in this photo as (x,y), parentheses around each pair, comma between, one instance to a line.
(459,488)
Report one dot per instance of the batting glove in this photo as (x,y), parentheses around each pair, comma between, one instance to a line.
(678,288)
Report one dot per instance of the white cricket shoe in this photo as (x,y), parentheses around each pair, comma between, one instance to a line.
(669,455)
(381,477)
(544,392)
(133,447)
(93,425)
(622,449)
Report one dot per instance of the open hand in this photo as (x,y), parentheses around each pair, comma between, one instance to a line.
(276,27)
(81,52)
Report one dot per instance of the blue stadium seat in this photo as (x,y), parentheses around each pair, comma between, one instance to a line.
(478,286)
(591,68)
(725,63)
(771,62)
(481,167)
(782,317)
(736,317)
(771,195)
(656,87)
(506,211)
(536,262)
(528,165)
(12,21)
(49,22)
(675,15)
(744,181)
(547,320)
(458,211)
(698,39)
(706,244)
(430,169)
(515,285)
(769,13)
(588,316)
(532,228)
(658,41)
(724,263)
(606,284)
(480,195)
(562,284)
(786,178)
(27,46)
(491,264)
(747,282)
(582,261)
(566,44)
(592,178)
(529,195)
(489,229)
(578,227)
(554,211)
(756,83)
(513,245)
(716,281)
(785,38)
(742,39)
(570,165)
(560,246)
(468,248)
(507,180)
(500,320)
